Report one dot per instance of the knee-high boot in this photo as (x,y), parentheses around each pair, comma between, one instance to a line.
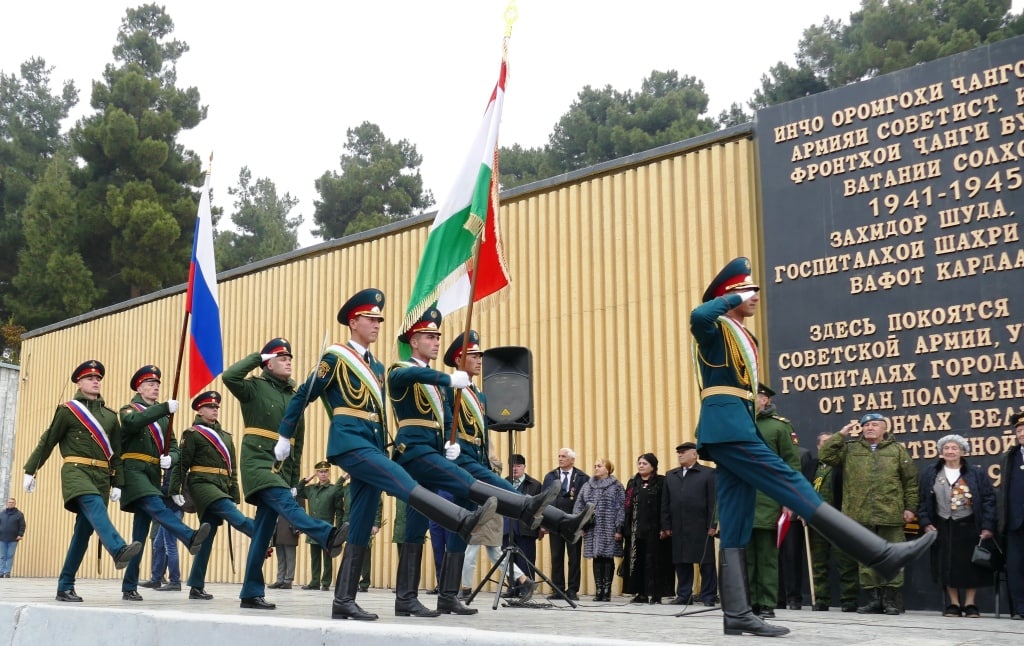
(407,583)
(735,593)
(865,546)
(344,605)
(449,515)
(599,579)
(448,587)
(569,526)
(515,505)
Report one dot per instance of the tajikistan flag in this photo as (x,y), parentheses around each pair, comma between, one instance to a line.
(469,212)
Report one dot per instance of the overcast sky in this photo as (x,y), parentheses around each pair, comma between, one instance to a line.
(285,80)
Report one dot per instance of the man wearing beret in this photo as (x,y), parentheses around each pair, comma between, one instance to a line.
(349,381)
(89,437)
(270,482)
(207,468)
(688,516)
(1011,516)
(148,449)
(881,491)
(726,358)
(325,501)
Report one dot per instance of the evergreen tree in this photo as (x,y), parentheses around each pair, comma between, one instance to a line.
(265,230)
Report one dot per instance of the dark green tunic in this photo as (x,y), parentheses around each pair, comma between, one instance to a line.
(263,400)
(325,502)
(142,478)
(196,450)
(75,440)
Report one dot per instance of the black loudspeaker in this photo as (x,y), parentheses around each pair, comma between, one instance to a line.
(508,387)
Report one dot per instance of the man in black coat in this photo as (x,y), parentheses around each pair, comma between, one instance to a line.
(569,480)
(1011,517)
(688,516)
(517,532)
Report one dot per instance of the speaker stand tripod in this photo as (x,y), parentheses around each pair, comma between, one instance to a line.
(505,561)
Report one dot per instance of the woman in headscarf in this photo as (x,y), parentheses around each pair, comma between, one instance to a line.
(646,569)
(959,503)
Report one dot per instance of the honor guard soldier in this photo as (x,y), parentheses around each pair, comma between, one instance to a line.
(269,482)
(149,446)
(89,437)
(421,397)
(207,469)
(726,358)
(349,380)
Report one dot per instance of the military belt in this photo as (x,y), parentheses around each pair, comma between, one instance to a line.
(142,457)
(428,423)
(727,390)
(355,412)
(88,462)
(270,435)
(214,470)
(472,439)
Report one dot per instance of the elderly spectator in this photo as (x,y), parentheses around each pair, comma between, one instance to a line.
(607,495)
(1011,516)
(688,517)
(647,557)
(880,491)
(959,503)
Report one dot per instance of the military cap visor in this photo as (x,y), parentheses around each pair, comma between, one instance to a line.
(144,374)
(367,302)
(89,368)
(429,322)
(451,356)
(323,465)
(209,398)
(763,389)
(278,346)
(734,277)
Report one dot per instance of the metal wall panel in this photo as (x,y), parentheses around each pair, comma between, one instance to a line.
(605,269)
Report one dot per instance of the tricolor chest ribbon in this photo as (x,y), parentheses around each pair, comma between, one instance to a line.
(79,410)
(214,438)
(154,430)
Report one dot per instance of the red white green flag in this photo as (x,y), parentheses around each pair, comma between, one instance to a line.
(469,212)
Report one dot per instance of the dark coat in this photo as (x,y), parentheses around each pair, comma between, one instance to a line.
(983,499)
(1009,517)
(531,487)
(688,510)
(609,498)
(566,501)
(12,524)
(653,576)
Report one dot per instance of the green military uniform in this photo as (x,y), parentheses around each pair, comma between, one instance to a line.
(762,552)
(324,502)
(821,549)
(140,452)
(878,485)
(203,467)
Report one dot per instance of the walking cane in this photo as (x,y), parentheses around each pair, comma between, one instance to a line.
(810,565)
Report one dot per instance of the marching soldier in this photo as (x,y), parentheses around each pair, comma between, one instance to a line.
(208,469)
(89,437)
(269,482)
(148,446)
(349,380)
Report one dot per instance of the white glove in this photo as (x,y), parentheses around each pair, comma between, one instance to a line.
(282,449)
(452,451)
(165,462)
(295,492)
(172,406)
(747,295)
(115,494)
(30,483)
(178,499)
(459,379)
(266,357)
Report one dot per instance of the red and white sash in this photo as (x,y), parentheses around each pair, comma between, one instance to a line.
(154,430)
(216,440)
(79,410)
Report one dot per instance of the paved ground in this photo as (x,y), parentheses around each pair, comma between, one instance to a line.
(542,622)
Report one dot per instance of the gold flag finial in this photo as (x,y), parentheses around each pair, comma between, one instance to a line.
(209,165)
(511,14)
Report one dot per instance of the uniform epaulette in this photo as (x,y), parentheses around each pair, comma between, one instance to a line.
(781,418)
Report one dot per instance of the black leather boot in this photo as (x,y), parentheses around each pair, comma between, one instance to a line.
(448,588)
(569,526)
(344,605)
(449,515)
(732,579)
(874,605)
(865,546)
(407,583)
(889,605)
(513,504)
(599,580)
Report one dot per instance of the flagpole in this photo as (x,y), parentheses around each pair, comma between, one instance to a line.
(457,405)
(177,382)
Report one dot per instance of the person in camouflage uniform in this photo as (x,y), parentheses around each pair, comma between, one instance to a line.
(828,482)
(207,468)
(148,449)
(763,551)
(89,437)
(324,501)
(881,490)
(271,483)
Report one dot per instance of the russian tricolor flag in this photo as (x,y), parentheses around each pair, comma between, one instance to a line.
(205,352)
